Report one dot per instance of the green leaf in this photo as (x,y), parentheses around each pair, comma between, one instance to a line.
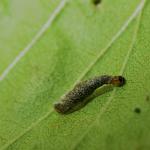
(47,46)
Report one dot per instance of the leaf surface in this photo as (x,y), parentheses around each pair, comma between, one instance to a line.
(83,41)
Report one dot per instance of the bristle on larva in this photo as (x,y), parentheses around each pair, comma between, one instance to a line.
(83,90)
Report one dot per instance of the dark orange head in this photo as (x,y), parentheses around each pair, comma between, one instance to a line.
(118,81)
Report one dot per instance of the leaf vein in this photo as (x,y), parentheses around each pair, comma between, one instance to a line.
(114,38)
(44,28)
(123,28)
(114,91)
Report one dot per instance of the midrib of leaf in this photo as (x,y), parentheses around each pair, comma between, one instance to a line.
(101,54)
(110,99)
(34,40)
(115,37)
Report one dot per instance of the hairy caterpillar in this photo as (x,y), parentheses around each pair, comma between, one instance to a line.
(83,90)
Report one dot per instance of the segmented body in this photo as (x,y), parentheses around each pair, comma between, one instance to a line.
(83,90)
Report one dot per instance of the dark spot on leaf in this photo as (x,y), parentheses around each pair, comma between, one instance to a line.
(137,110)
(147,98)
(96,2)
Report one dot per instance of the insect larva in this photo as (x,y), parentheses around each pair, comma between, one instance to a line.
(83,90)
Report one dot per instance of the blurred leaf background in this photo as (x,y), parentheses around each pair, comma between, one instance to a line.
(47,46)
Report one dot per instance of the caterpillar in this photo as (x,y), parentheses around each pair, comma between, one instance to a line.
(83,90)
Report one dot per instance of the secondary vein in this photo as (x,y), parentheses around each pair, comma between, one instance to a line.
(123,28)
(44,28)
(114,91)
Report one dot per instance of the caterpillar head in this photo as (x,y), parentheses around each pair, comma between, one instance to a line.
(118,81)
